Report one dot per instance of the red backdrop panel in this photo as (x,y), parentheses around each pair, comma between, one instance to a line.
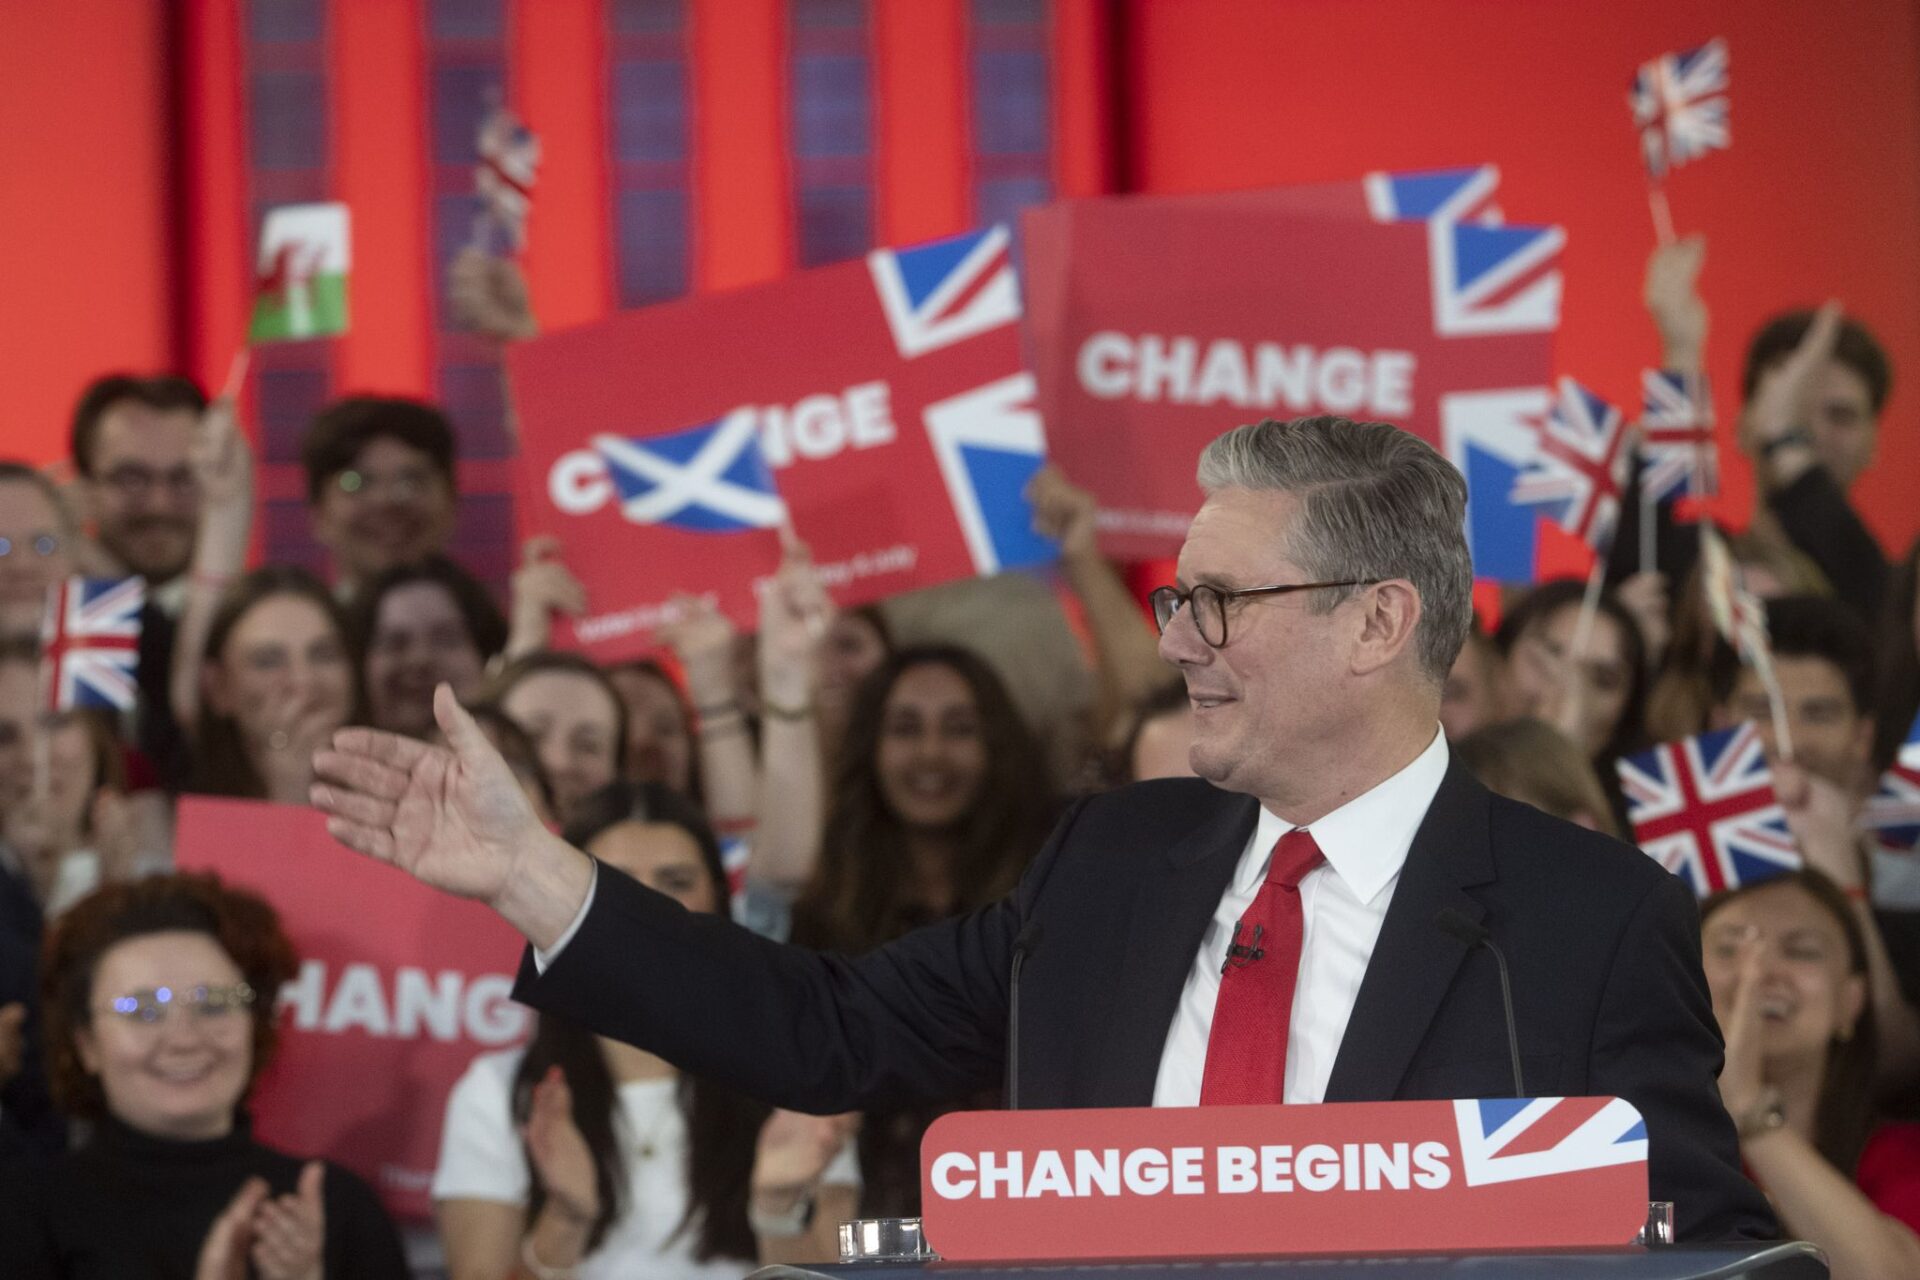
(1819,195)
(84,252)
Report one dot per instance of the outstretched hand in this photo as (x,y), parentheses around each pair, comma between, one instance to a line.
(452,817)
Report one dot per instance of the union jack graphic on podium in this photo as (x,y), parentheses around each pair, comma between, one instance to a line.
(1677,453)
(1680,106)
(1704,809)
(946,291)
(706,479)
(1892,814)
(1580,467)
(90,643)
(1507,1139)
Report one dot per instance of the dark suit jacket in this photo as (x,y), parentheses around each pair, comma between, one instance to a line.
(1604,946)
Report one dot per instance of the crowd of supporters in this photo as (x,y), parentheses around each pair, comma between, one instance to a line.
(885,767)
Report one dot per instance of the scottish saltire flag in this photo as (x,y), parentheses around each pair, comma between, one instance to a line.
(90,643)
(946,291)
(1704,809)
(1738,614)
(300,286)
(1680,106)
(509,156)
(1579,468)
(1677,454)
(706,479)
(1892,815)
(1448,195)
(1507,1139)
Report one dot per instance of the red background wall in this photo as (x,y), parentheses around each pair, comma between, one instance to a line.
(105,249)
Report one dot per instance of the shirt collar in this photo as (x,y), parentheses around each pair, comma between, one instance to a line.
(1365,840)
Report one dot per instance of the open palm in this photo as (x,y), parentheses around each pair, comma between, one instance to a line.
(453,817)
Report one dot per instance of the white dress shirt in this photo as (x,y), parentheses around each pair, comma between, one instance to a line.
(1343,902)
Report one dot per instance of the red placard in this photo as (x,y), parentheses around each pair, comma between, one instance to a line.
(1159,322)
(889,398)
(1194,1182)
(400,987)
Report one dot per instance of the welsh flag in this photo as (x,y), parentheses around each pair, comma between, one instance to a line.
(300,289)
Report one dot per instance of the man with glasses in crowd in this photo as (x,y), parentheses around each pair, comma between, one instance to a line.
(1264,933)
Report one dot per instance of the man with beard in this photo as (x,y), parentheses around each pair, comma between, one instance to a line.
(132,441)
(380,485)
(1823,660)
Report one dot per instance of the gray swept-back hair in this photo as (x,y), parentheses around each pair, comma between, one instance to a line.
(1375,502)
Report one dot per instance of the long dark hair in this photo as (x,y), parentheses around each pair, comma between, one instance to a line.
(1547,599)
(221,765)
(722,1127)
(1845,1116)
(863,892)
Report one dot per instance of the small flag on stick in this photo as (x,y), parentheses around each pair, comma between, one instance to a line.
(1893,811)
(503,179)
(90,643)
(300,289)
(1580,468)
(1704,808)
(1680,107)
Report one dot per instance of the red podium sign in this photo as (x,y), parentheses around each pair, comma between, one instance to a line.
(1193,1182)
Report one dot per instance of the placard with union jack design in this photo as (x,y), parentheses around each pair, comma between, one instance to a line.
(881,406)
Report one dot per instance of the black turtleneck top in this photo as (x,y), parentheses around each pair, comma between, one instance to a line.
(129,1206)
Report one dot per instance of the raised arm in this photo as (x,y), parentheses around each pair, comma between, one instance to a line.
(702,640)
(794,616)
(223,465)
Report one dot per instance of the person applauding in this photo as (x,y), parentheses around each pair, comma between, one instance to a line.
(1788,970)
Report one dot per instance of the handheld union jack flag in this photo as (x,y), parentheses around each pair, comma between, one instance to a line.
(1677,452)
(1892,814)
(90,643)
(1507,1139)
(1704,809)
(509,156)
(1680,106)
(1580,468)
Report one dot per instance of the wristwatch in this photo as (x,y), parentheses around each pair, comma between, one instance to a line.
(795,1221)
(1766,1114)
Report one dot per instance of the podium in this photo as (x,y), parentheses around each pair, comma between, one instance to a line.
(1792,1260)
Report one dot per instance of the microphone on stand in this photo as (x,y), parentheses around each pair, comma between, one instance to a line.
(1023,946)
(1456,925)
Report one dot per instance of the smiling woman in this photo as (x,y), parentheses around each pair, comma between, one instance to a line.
(158,998)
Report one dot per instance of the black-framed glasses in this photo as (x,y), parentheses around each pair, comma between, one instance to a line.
(1209,603)
(207,1004)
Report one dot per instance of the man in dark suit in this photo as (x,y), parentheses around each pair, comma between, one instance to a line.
(1265,933)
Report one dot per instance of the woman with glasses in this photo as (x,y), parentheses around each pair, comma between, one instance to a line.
(158,1000)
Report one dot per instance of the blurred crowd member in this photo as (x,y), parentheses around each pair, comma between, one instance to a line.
(660,723)
(1823,662)
(37,533)
(278,676)
(575,717)
(581,1155)
(1897,654)
(1680,702)
(380,485)
(79,832)
(1815,385)
(28,1122)
(542,586)
(1473,694)
(1534,763)
(132,442)
(1126,651)
(1598,706)
(159,999)
(939,798)
(1787,968)
(416,625)
(1158,737)
(857,641)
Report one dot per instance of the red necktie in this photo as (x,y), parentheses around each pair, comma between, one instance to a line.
(1247,1048)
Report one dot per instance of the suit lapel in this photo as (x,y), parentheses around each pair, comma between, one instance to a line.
(1172,903)
(1413,962)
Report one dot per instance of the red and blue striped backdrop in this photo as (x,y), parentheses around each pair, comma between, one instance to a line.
(688,144)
